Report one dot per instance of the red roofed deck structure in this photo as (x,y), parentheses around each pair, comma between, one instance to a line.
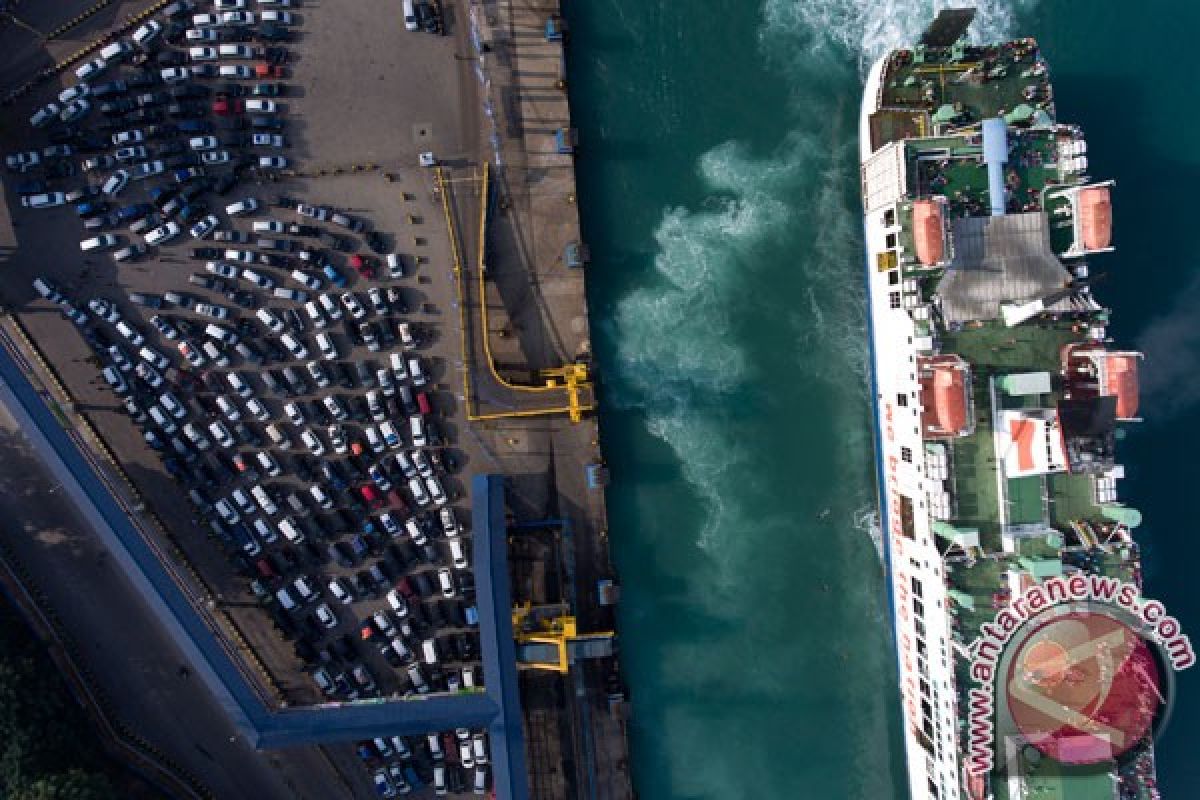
(1095,372)
(928,231)
(945,396)
(1121,380)
(1095,217)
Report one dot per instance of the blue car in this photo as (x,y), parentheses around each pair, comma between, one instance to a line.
(135,211)
(91,208)
(334,275)
(31,187)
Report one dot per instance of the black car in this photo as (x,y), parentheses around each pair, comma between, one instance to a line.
(225,184)
(283,201)
(169,148)
(170,58)
(143,115)
(233,89)
(260,123)
(195,188)
(185,90)
(335,242)
(274,260)
(175,32)
(187,110)
(160,131)
(231,124)
(269,32)
(109,89)
(181,160)
(152,99)
(142,79)
(275,55)
(427,18)
(296,229)
(117,106)
(179,8)
(377,242)
(92,143)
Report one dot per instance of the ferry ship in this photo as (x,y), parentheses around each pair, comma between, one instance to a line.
(999,398)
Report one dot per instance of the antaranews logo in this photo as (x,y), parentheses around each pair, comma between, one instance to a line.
(1079,667)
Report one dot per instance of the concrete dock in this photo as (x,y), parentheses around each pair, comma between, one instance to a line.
(493,255)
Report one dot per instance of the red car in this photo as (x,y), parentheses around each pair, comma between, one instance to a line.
(371,496)
(264,70)
(396,501)
(362,266)
(405,588)
(423,403)
(224,105)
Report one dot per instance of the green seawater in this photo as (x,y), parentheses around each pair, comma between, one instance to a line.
(718,176)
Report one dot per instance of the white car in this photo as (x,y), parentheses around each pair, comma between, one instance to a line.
(205,20)
(115,183)
(244,256)
(236,71)
(295,347)
(147,33)
(272,162)
(73,93)
(130,153)
(148,169)
(269,318)
(216,157)
(75,110)
(221,269)
(46,114)
(203,54)
(260,412)
(163,233)
(330,306)
(246,205)
(261,106)
(313,444)
(238,18)
(91,69)
(128,137)
(104,241)
(306,279)
(326,616)
(318,319)
(268,226)
(191,353)
(175,74)
(204,227)
(45,200)
(237,50)
(230,5)
(353,306)
(258,279)
(278,17)
(202,35)
(20,162)
(295,414)
(105,310)
(203,142)
(328,349)
(221,434)
(267,140)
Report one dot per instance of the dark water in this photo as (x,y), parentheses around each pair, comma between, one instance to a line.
(719,172)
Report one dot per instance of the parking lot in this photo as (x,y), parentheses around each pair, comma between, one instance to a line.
(273,357)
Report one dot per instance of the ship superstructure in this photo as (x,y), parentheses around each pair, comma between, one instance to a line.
(998,393)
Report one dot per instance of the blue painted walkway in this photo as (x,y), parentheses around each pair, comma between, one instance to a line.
(498,708)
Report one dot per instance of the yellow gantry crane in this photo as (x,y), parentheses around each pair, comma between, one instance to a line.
(555,631)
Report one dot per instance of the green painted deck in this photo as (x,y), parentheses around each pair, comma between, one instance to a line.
(940,80)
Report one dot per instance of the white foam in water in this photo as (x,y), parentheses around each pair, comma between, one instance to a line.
(681,362)
(868,28)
